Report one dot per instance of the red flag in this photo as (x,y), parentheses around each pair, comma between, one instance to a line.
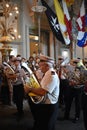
(67,18)
(81,18)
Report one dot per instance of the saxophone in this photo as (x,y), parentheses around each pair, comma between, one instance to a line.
(32,82)
(77,78)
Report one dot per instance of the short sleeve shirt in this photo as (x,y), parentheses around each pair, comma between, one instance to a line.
(50,83)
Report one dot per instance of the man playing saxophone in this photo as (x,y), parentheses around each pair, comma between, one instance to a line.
(45,113)
(75,89)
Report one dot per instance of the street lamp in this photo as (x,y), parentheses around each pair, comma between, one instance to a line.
(38,8)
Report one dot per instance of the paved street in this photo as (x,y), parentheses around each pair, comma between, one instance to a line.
(9,121)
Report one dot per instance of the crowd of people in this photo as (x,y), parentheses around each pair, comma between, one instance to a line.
(60,84)
(73,79)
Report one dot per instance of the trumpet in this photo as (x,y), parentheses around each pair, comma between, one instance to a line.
(32,82)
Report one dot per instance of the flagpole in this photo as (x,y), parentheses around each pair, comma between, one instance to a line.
(83,53)
(54,47)
(85,4)
(83,47)
(39,33)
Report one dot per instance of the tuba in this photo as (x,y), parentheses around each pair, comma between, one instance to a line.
(32,82)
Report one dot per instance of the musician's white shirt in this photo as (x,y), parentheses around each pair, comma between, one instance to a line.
(39,74)
(50,83)
(21,76)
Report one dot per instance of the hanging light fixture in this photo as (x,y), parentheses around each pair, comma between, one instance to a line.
(38,7)
(8,26)
(8,20)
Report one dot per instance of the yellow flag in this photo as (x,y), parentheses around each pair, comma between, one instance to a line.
(60,16)
(59,12)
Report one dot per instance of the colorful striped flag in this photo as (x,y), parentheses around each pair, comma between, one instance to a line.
(60,15)
(82,25)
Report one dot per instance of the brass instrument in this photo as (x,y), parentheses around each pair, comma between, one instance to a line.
(77,77)
(9,70)
(74,78)
(32,82)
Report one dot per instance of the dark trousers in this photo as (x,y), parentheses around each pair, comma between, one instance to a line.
(5,95)
(45,115)
(18,96)
(84,108)
(73,93)
(64,84)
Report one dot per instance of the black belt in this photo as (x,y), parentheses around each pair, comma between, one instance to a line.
(17,85)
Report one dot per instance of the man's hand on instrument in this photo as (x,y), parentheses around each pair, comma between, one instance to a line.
(27,88)
(12,76)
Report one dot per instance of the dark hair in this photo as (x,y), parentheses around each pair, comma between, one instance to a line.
(18,55)
(79,68)
(31,57)
(11,56)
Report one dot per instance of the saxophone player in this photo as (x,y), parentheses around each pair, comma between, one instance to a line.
(45,113)
(75,90)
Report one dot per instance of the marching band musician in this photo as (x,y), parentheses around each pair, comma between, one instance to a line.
(84,104)
(63,80)
(85,63)
(45,113)
(17,80)
(4,90)
(11,63)
(7,86)
(31,63)
(74,91)
(84,95)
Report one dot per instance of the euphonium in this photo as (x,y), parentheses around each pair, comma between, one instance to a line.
(32,82)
